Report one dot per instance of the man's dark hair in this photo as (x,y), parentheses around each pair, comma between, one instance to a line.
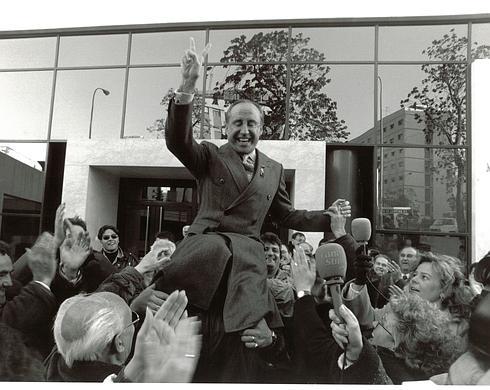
(296,234)
(482,271)
(237,102)
(271,238)
(165,234)
(4,249)
(76,221)
(323,241)
(104,228)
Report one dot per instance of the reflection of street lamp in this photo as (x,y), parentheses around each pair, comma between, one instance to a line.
(106,92)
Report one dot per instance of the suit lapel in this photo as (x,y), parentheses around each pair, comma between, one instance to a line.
(262,173)
(232,161)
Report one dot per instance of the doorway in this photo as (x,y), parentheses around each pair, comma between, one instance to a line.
(150,206)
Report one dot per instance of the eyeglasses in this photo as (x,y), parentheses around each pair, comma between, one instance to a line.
(134,320)
(113,236)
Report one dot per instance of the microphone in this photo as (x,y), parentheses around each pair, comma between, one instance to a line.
(361,231)
(331,264)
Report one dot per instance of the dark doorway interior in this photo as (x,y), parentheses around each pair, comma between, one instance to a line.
(148,206)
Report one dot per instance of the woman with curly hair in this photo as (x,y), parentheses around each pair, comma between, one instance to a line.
(422,330)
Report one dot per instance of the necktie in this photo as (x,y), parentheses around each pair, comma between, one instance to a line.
(405,277)
(249,165)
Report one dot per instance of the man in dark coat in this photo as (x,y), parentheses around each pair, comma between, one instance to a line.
(220,264)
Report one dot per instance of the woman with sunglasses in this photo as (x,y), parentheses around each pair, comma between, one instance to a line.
(108,235)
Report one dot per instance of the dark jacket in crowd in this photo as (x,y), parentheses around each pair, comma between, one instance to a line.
(122,259)
(31,312)
(92,273)
(81,371)
(317,353)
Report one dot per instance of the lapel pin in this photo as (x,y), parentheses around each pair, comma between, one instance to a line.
(262,171)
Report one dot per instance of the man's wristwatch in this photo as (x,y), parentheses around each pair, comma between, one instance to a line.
(302,293)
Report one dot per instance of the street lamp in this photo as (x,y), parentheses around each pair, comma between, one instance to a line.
(106,92)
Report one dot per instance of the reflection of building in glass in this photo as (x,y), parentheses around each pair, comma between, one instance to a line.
(415,192)
(21,194)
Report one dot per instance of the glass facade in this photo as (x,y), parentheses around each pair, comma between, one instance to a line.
(397,86)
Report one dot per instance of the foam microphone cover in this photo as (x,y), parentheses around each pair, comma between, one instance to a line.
(331,261)
(361,229)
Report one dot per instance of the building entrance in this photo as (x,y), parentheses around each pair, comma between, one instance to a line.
(149,206)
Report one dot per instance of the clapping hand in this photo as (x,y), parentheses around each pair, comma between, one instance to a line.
(395,291)
(74,251)
(191,65)
(41,259)
(302,270)
(149,298)
(168,344)
(59,231)
(395,270)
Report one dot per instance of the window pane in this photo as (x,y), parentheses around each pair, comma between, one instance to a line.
(480,36)
(432,110)
(27,53)
(73,103)
(392,244)
(412,43)
(322,105)
(427,193)
(148,98)
(264,84)
(93,50)
(19,231)
(337,43)
(30,154)
(21,193)
(248,45)
(26,98)
(160,48)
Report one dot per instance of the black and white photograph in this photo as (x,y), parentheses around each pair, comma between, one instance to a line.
(214,193)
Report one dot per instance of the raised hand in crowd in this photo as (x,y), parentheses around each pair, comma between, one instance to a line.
(59,230)
(395,270)
(168,345)
(339,211)
(303,270)
(41,259)
(191,66)
(395,291)
(149,298)
(347,332)
(74,252)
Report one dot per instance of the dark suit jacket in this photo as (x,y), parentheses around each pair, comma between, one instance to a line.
(316,352)
(233,210)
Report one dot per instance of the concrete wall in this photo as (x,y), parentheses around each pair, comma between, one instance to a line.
(92,193)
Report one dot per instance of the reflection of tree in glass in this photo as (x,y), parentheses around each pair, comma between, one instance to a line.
(441,100)
(313,115)
(157,129)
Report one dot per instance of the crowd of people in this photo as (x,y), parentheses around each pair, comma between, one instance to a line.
(230,303)
(83,315)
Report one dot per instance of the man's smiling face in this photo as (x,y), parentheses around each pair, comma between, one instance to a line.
(244,127)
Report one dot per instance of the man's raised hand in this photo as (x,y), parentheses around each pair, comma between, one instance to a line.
(190,66)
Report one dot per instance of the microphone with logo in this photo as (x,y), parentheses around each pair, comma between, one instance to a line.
(331,264)
(361,231)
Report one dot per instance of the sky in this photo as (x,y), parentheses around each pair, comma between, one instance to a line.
(32,14)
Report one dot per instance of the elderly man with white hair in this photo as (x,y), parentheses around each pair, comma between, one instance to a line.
(94,335)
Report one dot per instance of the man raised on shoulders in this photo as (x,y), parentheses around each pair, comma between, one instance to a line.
(220,264)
